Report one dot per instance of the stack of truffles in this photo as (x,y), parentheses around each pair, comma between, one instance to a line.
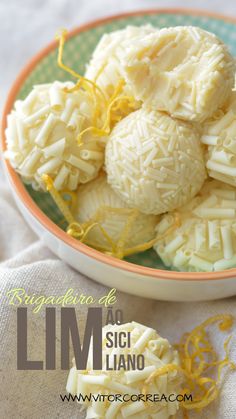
(147,139)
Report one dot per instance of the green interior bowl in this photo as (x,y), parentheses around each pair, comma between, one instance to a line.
(78,50)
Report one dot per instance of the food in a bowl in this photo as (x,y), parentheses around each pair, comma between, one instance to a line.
(42,136)
(185,71)
(219,136)
(157,353)
(206,237)
(117,223)
(158,104)
(154,163)
(105,67)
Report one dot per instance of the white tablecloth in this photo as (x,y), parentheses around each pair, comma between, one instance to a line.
(25,27)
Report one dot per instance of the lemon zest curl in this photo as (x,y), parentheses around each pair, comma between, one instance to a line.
(102,106)
(197,369)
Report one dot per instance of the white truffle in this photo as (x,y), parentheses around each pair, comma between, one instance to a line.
(157,352)
(183,70)
(153,162)
(206,237)
(98,198)
(42,137)
(220,141)
(105,66)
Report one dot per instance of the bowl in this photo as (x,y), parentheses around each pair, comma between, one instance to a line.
(142,274)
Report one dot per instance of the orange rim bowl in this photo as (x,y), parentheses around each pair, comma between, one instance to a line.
(36,212)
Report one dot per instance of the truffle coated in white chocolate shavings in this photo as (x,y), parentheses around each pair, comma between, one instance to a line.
(42,134)
(183,70)
(104,66)
(219,137)
(97,197)
(206,237)
(157,353)
(153,162)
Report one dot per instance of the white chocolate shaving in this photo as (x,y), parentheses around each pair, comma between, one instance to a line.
(42,137)
(207,225)
(174,70)
(57,96)
(129,382)
(221,155)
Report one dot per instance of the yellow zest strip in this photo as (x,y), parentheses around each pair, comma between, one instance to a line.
(101,248)
(57,198)
(226,322)
(162,371)
(106,129)
(87,230)
(99,215)
(75,230)
(102,106)
(118,250)
(92,88)
(120,247)
(203,388)
(192,348)
(140,247)
(151,243)
(101,69)
(109,239)
(75,88)
(73,198)
(107,124)
(61,37)
(80,231)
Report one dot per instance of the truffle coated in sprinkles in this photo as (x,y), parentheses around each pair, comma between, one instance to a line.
(168,168)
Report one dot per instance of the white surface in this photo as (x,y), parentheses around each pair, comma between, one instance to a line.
(25,27)
(28,25)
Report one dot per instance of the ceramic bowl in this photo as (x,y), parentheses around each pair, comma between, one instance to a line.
(142,274)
